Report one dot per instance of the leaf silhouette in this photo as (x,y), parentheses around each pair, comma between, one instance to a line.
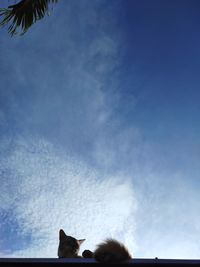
(24,14)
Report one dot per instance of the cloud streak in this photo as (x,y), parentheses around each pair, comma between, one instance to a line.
(54,115)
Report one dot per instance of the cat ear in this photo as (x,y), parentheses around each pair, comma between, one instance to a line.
(80,241)
(62,234)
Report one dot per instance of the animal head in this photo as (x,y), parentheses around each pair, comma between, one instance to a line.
(68,245)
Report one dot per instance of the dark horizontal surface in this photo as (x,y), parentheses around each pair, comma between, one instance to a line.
(15,262)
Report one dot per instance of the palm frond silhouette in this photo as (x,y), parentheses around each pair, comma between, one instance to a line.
(24,14)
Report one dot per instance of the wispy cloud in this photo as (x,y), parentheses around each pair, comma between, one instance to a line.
(47,191)
(65,87)
(167,218)
(52,173)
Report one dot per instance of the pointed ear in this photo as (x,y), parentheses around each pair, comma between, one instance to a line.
(62,234)
(80,241)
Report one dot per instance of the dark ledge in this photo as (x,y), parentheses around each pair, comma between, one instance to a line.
(53,262)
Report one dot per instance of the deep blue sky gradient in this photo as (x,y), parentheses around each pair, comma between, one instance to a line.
(161,69)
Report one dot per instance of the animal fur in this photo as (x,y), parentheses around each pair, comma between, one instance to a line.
(109,251)
(68,246)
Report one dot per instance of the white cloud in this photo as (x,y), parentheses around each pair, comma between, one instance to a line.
(50,191)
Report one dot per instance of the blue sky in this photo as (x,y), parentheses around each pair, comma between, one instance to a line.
(99,129)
